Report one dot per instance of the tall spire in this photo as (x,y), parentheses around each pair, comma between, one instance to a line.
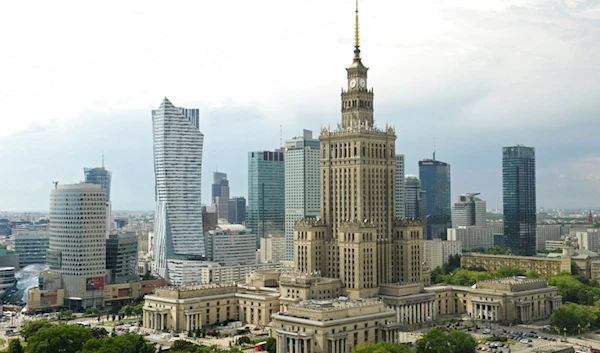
(356,38)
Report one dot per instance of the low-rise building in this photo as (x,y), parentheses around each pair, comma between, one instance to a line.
(231,244)
(7,278)
(505,300)
(186,272)
(272,248)
(333,326)
(437,252)
(543,266)
(31,244)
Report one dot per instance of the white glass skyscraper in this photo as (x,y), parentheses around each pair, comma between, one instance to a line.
(302,195)
(178,146)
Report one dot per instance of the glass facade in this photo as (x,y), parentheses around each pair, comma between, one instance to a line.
(435,181)
(237,210)
(265,213)
(519,199)
(99,176)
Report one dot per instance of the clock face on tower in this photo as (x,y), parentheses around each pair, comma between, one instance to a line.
(363,83)
(352,83)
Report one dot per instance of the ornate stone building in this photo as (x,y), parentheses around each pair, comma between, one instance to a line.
(358,239)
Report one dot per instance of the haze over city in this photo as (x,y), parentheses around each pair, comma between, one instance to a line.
(473,75)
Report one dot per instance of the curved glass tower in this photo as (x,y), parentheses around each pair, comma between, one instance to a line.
(178,145)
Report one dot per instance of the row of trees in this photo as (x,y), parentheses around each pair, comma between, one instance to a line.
(43,336)
(434,341)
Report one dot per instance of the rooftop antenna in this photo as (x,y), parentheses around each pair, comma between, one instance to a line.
(434,148)
(102,161)
(281,136)
(55,184)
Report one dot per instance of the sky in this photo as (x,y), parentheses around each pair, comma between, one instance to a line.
(78,80)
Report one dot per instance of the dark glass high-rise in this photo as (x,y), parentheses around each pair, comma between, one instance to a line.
(519,199)
(435,181)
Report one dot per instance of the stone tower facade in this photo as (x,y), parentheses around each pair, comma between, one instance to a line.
(355,239)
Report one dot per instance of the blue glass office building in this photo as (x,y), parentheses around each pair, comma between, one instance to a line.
(435,181)
(265,213)
(519,199)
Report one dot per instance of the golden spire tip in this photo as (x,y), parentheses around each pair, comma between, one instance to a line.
(356,41)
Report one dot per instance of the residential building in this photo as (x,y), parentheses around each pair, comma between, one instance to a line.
(469,211)
(588,239)
(220,195)
(102,177)
(473,237)
(272,248)
(437,252)
(435,180)
(302,194)
(237,210)
(178,144)
(77,250)
(231,244)
(7,278)
(31,244)
(519,199)
(400,187)
(549,232)
(187,272)
(543,266)
(265,213)
(122,257)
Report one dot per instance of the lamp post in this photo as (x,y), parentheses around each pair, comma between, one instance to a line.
(578,329)
(565,331)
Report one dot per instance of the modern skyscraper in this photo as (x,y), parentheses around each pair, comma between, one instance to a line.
(102,177)
(178,145)
(357,239)
(416,199)
(468,211)
(519,199)
(435,180)
(122,257)
(220,194)
(400,186)
(265,213)
(302,194)
(237,210)
(77,250)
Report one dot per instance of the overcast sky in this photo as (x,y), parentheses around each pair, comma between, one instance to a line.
(78,79)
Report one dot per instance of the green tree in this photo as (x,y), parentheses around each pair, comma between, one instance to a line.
(498,250)
(125,343)
(381,347)
(91,312)
(126,311)
(510,272)
(271,345)
(31,327)
(138,309)
(99,332)
(65,315)
(14,346)
(58,338)
(573,317)
(437,341)
(461,342)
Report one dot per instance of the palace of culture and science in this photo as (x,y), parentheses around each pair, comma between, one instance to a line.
(358,273)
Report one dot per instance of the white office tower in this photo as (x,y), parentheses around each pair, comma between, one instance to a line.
(77,250)
(178,146)
(468,211)
(302,186)
(400,192)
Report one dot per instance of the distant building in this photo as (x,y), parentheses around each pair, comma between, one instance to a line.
(415,199)
(473,237)
(101,176)
(272,248)
(122,257)
(435,180)
(302,184)
(220,194)
(519,199)
(400,187)
(265,213)
(549,232)
(7,278)
(178,145)
(588,239)
(187,272)
(209,219)
(77,251)
(237,210)
(231,244)
(469,211)
(31,244)
(437,252)
(543,266)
